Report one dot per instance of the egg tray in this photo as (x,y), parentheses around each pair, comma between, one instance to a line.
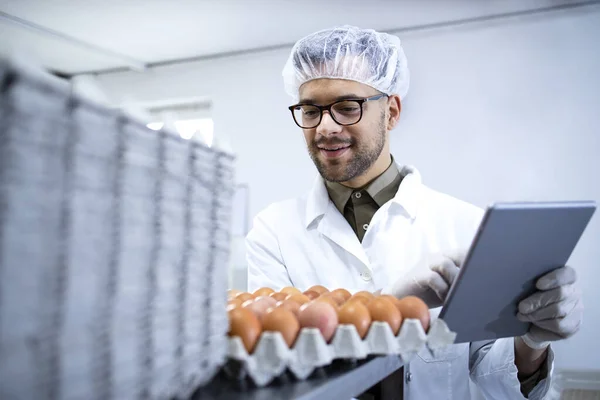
(271,357)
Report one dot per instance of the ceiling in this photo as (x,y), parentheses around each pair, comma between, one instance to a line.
(83,36)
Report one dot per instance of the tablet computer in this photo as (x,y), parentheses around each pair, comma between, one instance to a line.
(515,245)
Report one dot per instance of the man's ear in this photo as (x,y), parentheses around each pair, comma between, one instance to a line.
(394,109)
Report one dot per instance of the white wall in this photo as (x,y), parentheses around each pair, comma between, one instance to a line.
(528,90)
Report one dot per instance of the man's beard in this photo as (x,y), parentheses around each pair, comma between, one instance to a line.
(363,158)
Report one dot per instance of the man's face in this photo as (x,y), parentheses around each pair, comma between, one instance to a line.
(342,153)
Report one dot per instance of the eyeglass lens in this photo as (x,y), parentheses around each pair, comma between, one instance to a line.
(345,112)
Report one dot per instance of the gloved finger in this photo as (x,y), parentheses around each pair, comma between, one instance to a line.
(422,282)
(563,327)
(559,277)
(457,256)
(543,299)
(409,286)
(553,311)
(447,269)
(541,335)
(439,286)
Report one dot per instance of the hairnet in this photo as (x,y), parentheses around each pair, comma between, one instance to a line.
(347,52)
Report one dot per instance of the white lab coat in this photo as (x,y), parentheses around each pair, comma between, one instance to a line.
(306,241)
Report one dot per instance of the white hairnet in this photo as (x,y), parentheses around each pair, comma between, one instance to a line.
(347,52)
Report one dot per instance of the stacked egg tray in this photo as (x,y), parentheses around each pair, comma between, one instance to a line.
(114,247)
(272,357)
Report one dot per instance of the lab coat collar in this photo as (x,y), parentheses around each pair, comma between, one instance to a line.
(406,199)
(317,202)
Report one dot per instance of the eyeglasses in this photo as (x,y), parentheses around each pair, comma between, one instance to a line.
(343,112)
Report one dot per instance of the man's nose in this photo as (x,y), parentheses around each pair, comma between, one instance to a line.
(328,126)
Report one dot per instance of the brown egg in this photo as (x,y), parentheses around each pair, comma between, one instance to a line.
(263,291)
(311,294)
(258,308)
(299,298)
(364,293)
(244,296)
(319,289)
(290,290)
(357,314)
(278,296)
(244,324)
(320,315)
(361,299)
(268,299)
(336,297)
(289,305)
(281,320)
(412,307)
(327,299)
(342,293)
(382,309)
(395,301)
(231,293)
(235,301)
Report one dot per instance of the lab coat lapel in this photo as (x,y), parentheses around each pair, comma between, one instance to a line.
(320,211)
(335,227)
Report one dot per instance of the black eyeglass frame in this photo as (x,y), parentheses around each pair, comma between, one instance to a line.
(327,108)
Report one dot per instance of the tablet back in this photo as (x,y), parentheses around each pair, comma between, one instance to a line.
(516,244)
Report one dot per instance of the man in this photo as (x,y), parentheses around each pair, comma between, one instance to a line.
(370,224)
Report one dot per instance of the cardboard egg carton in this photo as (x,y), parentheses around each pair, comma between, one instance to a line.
(272,357)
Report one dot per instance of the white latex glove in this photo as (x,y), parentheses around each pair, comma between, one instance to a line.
(430,282)
(555,310)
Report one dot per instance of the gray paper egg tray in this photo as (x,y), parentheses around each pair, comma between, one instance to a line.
(114,245)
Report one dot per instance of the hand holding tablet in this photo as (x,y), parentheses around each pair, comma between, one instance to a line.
(517,259)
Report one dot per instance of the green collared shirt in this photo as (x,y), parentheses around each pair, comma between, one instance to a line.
(359,205)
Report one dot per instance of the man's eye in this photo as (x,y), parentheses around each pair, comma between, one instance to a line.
(347,110)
